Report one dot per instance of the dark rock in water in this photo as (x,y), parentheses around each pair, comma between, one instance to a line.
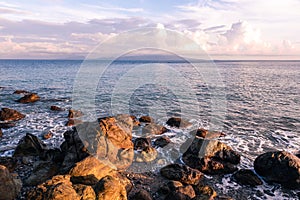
(247,177)
(203,133)
(56,108)
(30,145)
(178,122)
(204,192)
(29,98)
(48,135)
(182,173)
(146,119)
(6,125)
(7,114)
(110,188)
(142,195)
(1,134)
(280,167)
(74,114)
(9,187)
(177,191)
(54,155)
(41,172)
(21,92)
(141,143)
(85,180)
(154,129)
(211,156)
(9,162)
(85,192)
(162,141)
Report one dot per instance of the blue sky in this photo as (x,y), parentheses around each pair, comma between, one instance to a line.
(70,29)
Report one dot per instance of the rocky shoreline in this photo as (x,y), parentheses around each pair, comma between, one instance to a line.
(96,158)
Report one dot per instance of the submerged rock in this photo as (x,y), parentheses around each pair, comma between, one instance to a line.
(1,134)
(247,177)
(29,98)
(146,119)
(21,92)
(154,129)
(74,114)
(109,188)
(48,135)
(162,141)
(6,125)
(56,108)
(178,122)
(280,167)
(9,187)
(7,114)
(182,173)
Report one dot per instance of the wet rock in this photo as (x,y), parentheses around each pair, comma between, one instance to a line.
(85,192)
(54,155)
(211,156)
(1,134)
(91,166)
(109,188)
(56,108)
(141,143)
(59,187)
(48,135)
(21,92)
(9,188)
(6,125)
(247,177)
(136,122)
(85,180)
(142,195)
(203,133)
(178,122)
(182,173)
(30,145)
(162,141)
(204,192)
(178,191)
(146,119)
(7,114)
(146,155)
(74,114)
(280,167)
(154,129)
(29,98)
(9,162)
(41,172)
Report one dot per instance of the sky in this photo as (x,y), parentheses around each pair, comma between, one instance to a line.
(224,29)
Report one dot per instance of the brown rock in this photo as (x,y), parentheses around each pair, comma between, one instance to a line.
(142,195)
(73,122)
(178,122)
(146,119)
(7,114)
(146,155)
(1,134)
(85,192)
(154,129)
(74,114)
(48,135)
(9,189)
(182,173)
(162,141)
(141,143)
(247,177)
(109,188)
(29,98)
(135,121)
(85,180)
(21,92)
(203,133)
(179,191)
(204,192)
(56,108)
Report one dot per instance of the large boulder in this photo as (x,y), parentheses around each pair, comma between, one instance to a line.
(211,156)
(109,188)
(182,173)
(29,98)
(178,122)
(154,129)
(280,167)
(247,177)
(30,145)
(9,187)
(7,114)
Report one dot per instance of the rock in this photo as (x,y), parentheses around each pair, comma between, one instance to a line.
(203,133)
(142,195)
(74,114)
(85,180)
(7,114)
(21,92)
(54,155)
(56,108)
(162,141)
(58,188)
(182,173)
(48,135)
(154,129)
(29,98)
(247,177)
(9,189)
(1,134)
(42,172)
(73,122)
(30,145)
(211,156)
(109,188)
(91,166)
(179,191)
(9,162)
(204,192)
(141,143)
(146,119)
(135,121)
(146,155)
(178,122)
(85,192)
(280,167)
(6,125)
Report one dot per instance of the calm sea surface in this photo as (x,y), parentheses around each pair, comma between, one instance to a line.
(257,104)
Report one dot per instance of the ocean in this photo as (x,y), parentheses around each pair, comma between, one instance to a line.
(255,103)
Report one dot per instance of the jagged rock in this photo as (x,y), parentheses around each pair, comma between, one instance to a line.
(56,108)
(154,129)
(178,122)
(54,155)
(211,156)
(74,114)
(146,119)
(141,143)
(85,192)
(247,177)
(9,162)
(142,195)
(30,145)
(182,173)
(58,188)
(9,187)
(162,141)
(7,114)
(29,98)
(109,188)
(178,191)
(280,167)
(21,92)
(204,192)
(41,172)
